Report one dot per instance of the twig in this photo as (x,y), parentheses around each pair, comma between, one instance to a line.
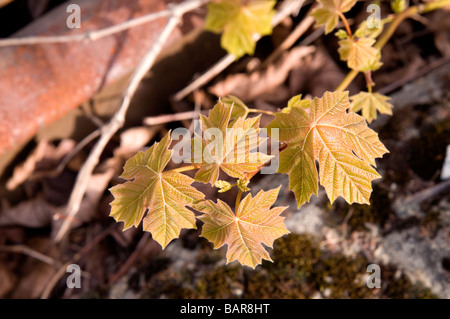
(211,73)
(63,269)
(421,72)
(118,119)
(288,8)
(92,136)
(22,249)
(290,40)
(91,35)
(130,261)
(167,118)
(386,36)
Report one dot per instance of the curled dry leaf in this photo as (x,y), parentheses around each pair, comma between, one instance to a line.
(43,158)
(265,84)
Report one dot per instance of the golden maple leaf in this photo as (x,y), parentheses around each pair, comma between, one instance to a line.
(328,12)
(342,143)
(254,223)
(164,194)
(370,103)
(231,148)
(240,21)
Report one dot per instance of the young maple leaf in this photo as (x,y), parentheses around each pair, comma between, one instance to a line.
(240,21)
(232,151)
(164,194)
(328,12)
(342,143)
(360,54)
(370,103)
(254,223)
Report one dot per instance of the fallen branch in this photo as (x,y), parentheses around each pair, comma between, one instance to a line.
(93,35)
(288,8)
(22,249)
(117,121)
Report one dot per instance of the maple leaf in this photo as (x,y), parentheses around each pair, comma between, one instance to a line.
(342,143)
(240,21)
(254,223)
(164,194)
(239,107)
(360,54)
(232,151)
(328,12)
(370,103)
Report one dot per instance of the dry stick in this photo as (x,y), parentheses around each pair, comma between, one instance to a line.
(92,136)
(421,72)
(130,261)
(22,249)
(87,36)
(290,40)
(288,8)
(118,119)
(63,269)
(168,118)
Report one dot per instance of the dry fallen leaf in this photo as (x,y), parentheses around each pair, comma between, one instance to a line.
(265,84)
(43,158)
(318,73)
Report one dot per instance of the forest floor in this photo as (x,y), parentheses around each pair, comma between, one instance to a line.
(405,230)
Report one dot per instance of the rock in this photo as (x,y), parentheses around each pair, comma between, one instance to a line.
(420,257)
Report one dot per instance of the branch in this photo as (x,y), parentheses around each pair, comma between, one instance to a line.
(408,13)
(288,8)
(118,119)
(98,34)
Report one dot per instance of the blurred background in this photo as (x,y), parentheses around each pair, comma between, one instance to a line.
(54,99)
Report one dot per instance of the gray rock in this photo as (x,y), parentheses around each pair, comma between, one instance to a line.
(419,256)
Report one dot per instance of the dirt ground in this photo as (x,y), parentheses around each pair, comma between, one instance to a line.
(405,230)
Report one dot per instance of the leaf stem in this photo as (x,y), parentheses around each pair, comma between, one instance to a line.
(261,111)
(238,201)
(346,24)
(369,81)
(184,168)
(423,8)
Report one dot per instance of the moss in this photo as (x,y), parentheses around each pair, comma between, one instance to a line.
(222,282)
(300,270)
(377,212)
(339,276)
(398,286)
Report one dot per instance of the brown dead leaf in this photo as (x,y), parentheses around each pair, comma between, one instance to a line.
(265,84)
(318,74)
(43,158)
(134,139)
(35,274)
(34,213)
(7,281)
(88,209)
(439,23)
